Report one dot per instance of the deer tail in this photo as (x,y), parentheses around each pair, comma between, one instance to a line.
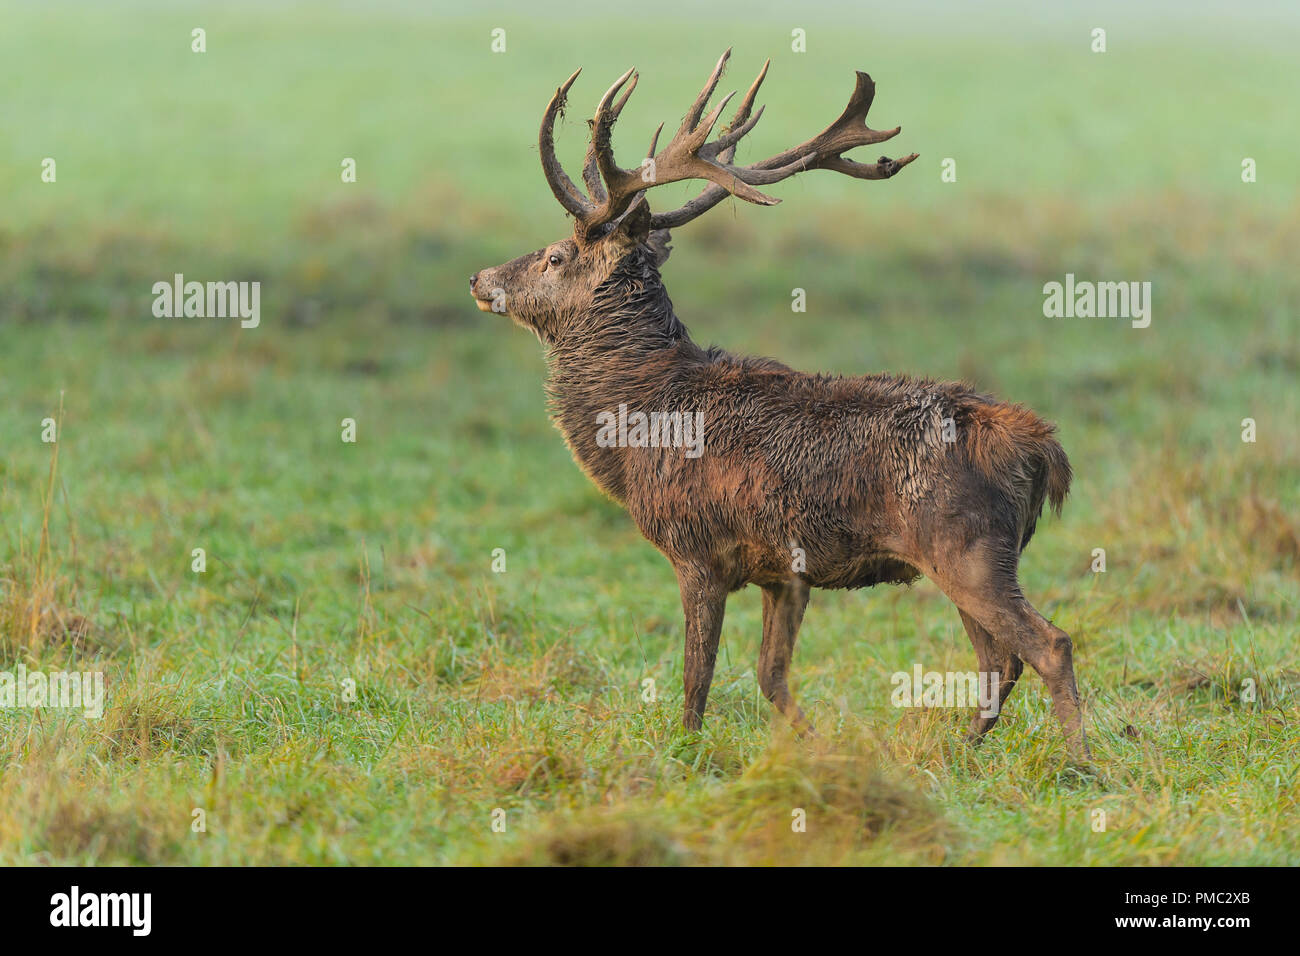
(1016,449)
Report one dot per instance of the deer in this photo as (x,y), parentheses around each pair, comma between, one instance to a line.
(796,481)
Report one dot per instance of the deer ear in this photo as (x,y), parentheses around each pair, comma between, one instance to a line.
(634,230)
(634,227)
(657,243)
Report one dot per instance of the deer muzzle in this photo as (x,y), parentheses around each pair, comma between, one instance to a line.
(484,305)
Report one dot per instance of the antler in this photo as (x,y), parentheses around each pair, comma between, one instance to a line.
(689,155)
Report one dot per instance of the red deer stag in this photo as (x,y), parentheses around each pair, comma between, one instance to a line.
(751,472)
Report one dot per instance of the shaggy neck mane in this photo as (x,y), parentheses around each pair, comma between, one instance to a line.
(627,348)
(631,308)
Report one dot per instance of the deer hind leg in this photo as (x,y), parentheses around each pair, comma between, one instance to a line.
(995,660)
(984,586)
(1053,658)
(704,599)
(783,607)
(1047,649)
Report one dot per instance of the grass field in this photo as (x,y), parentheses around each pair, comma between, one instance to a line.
(371,562)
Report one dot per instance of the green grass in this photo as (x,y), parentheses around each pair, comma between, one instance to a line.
(522,691)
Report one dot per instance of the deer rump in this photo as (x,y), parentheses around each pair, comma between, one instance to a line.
(849,482)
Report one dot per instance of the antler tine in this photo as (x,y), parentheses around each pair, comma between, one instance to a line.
(654,141)
(692,117)
(617,189)
(728,140)
(845,133)
(603,121)
(821,152)
(561,185)
(883,168)
(591,177)
(739,127)
(696,139)
(591,167)
(622,100)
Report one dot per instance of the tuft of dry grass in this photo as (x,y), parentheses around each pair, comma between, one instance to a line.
(625,840)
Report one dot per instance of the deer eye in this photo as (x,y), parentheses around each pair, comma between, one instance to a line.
(554,259)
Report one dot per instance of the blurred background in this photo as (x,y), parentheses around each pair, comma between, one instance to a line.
(372,561)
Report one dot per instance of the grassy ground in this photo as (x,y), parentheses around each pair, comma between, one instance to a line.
(521,691)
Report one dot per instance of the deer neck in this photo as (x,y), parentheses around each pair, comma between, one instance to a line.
(628,353)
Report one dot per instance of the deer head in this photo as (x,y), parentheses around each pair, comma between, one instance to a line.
(549,290)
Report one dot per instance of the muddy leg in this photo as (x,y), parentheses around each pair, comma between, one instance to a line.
(982,583)
(992,660)
(704,599)
(1053,658)
(783,608)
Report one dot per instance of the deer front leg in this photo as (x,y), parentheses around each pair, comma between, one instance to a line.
(704,599)
(783,607)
